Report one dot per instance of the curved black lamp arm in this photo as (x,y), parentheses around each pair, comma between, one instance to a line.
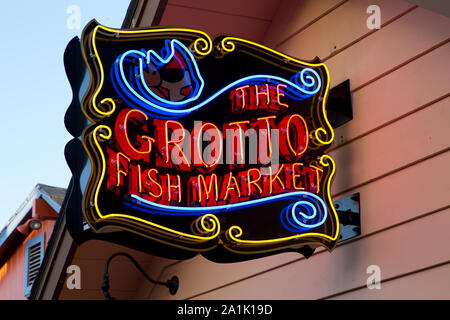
(172,283)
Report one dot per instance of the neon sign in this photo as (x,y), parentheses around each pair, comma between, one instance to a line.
(211,146)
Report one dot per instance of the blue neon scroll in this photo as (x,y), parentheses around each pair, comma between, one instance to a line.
(304,214)
(128,80)
(307,212)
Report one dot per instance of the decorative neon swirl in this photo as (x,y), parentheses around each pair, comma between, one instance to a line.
(129,81)
(303,215)
(301,198)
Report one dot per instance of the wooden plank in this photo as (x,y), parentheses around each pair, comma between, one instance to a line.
(407,194)
(214,23)
(397,251)
(131,286)
(413,138)
(146,12)
(341,27)
(294,15)
(399,93)
(383,203)
(154,270)
(258,9)
(102,250)
(384,50)
(95,295)
(431,284)
(198,274)
(92,274)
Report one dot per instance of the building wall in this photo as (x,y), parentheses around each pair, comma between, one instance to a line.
(125,279)
(395,152)
(12,272)
(234,17)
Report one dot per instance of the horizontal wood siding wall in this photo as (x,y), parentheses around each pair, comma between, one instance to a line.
(395,152)
(233,17)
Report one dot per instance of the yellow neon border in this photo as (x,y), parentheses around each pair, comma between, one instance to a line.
(305,235)
(227,41)
(212,217)
(208,45)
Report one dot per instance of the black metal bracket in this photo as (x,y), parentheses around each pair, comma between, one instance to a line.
(348,210)
(339,104)
(172,284)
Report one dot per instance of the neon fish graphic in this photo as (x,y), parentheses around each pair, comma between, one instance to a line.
(170,79)
(168,84)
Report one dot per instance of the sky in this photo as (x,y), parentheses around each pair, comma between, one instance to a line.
(35,92)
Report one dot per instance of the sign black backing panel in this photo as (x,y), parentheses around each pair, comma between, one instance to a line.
(155,102)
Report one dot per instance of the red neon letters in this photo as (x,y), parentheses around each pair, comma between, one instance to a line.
(199,163)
